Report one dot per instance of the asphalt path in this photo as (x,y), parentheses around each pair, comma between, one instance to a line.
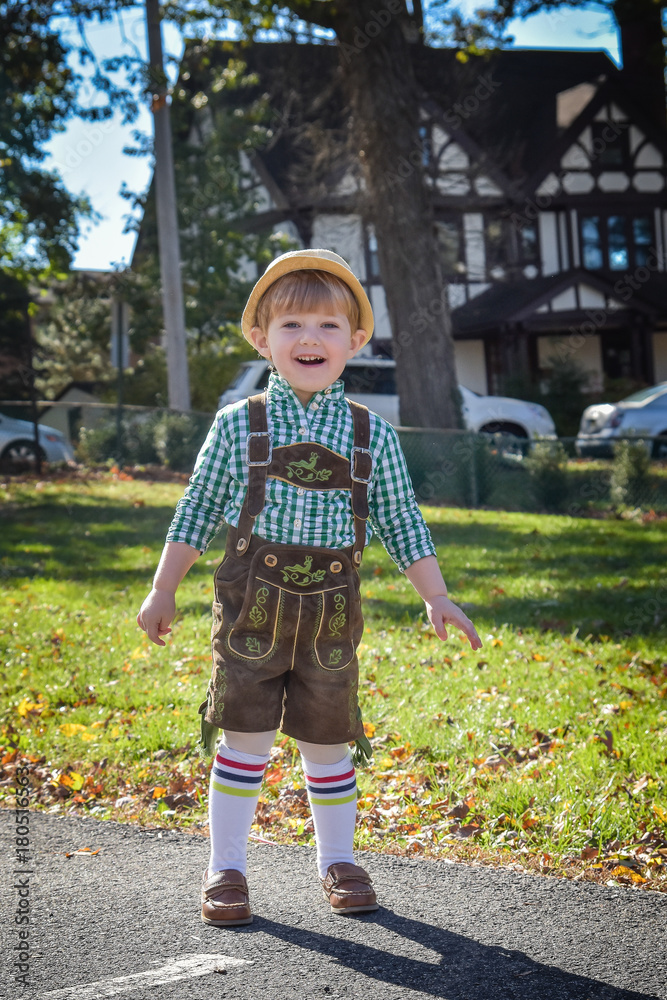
(125,922)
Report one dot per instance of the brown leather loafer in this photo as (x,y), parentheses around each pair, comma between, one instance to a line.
(224,899)
(349,889)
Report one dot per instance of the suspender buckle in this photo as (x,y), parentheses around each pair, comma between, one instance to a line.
(361,458)
(269,448)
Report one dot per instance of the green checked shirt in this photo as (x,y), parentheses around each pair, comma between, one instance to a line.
(292,514)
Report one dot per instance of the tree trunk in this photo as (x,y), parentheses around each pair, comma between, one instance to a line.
(383,94)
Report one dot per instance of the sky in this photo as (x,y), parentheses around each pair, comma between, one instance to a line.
(90,156)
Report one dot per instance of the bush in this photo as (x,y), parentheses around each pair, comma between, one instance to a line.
(178,438)
(100,444)
(630,474)
(547,468)
(475,468)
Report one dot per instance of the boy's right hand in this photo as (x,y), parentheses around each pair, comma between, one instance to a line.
(156,615)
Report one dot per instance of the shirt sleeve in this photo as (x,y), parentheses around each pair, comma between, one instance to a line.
(394,513)
(199,513)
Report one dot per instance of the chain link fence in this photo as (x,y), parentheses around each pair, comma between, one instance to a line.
(456,468)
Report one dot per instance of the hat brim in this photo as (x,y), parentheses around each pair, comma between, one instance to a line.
(298,262)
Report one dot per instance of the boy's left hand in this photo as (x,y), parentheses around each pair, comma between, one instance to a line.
(441,612)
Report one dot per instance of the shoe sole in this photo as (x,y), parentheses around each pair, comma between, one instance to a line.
(355,909)
(226,923)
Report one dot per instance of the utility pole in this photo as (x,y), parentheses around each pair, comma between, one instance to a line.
(167,221)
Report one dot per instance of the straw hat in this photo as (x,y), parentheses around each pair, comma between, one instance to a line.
(320,260)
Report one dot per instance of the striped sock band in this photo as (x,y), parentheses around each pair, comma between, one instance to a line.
(233,777)
(332,793)
(236,779)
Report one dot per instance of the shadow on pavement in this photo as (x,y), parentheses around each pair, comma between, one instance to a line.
(465,970)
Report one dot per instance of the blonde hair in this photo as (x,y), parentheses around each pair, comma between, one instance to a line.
(307,290)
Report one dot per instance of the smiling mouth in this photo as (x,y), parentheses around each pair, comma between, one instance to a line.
(310,360)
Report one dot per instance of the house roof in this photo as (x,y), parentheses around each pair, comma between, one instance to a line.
(574,295)
(514,123)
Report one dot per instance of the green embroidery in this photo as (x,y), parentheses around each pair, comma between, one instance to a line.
(334,656)
(301,575)
(252,642)
(338,619)
(257,612)
(306,472)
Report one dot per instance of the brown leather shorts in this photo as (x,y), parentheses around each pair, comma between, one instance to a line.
(286,625)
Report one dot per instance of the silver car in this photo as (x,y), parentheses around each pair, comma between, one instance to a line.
(642,415)
(17,444)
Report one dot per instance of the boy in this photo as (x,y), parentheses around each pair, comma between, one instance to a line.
(295,474)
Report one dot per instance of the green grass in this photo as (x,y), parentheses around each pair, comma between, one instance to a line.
(547,747)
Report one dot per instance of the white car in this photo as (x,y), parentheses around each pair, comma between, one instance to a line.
(17,444)
(371,381)
(642,415)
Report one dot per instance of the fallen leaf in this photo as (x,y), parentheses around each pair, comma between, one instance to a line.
(72,780)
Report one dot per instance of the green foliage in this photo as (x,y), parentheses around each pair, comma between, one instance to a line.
(630,479)
(547,468)
(100,445)
(72,336)
(212,366)
(216,132)
(159,438)
(475,468)
(563,391)
(178,437)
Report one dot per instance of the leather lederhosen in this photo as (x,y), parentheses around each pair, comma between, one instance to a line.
(287,618)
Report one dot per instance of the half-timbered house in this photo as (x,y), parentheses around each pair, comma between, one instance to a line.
(547,174)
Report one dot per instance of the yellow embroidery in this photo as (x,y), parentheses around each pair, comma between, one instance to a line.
(301,575)
(338,619)
(306,472)
(257,611)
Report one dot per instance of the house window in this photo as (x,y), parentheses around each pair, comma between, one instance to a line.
(610,146)
(528,246)
(496,247)
(615,242)
(373,261)
(450,245)
(505,246)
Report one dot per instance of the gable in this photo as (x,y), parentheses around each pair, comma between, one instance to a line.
(610,153)
(577,296)
(454,164)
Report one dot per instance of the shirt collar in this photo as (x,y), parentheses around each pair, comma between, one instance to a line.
(279,389)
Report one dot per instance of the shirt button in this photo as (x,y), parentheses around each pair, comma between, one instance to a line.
(327,391)
(315,406)
(297,522)
(302,430)
(301,491)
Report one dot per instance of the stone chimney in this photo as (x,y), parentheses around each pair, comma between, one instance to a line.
(643,54)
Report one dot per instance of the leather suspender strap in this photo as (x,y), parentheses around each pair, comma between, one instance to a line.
(258,458)
(361,467)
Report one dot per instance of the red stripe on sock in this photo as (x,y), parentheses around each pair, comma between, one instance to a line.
(240,767)
(337,777)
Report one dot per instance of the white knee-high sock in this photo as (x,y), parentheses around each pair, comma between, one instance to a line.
(236,779)
(332,793)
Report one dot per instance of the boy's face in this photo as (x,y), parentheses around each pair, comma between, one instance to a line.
(309,350)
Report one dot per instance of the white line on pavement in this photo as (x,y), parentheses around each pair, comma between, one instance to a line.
(187,967)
